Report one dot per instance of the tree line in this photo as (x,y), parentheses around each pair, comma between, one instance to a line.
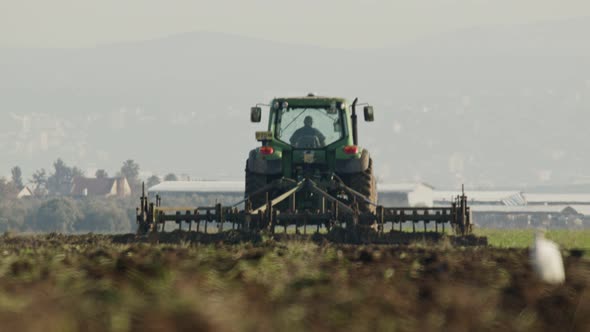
(67,215)
(51,209)
(59,181)
(86,214)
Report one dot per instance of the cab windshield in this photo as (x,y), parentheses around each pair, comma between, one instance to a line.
(309,128)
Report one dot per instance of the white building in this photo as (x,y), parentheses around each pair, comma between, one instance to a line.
(97,187)
(474,197)
(405,194)
(25,192)
(557,199)
(199,187)
(529,216)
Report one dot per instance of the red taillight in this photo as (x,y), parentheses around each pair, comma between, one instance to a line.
(266,150)
(351,149)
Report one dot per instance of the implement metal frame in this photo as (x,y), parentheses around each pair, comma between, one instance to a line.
(152,216)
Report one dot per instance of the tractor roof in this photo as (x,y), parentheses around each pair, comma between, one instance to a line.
(310,100)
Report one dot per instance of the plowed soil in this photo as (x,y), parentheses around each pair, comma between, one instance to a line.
(216,283)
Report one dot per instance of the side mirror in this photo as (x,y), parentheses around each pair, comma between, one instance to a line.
(369,116)
(255,114)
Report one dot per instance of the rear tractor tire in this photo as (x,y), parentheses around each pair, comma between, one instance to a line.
(255,182)
(365,184)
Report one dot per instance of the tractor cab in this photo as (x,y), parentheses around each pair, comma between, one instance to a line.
(309,123)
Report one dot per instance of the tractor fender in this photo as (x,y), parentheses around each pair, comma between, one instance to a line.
(256,164)
(350,166)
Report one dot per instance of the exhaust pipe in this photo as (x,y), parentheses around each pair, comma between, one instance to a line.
(354,122)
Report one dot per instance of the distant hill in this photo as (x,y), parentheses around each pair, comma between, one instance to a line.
(492,106)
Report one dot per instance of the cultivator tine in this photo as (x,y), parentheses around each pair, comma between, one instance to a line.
(267,213)
(189,220)
(380,218)
(210,219)
(292,203)
(219,215)
(318,227)
(159,222)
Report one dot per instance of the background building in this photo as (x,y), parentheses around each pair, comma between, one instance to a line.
(105,187)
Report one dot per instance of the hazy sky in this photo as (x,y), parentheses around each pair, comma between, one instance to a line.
(338,23)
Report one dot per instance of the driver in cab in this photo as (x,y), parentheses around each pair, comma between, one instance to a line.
(307,136)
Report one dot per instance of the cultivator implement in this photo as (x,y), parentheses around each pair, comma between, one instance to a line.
(281,214)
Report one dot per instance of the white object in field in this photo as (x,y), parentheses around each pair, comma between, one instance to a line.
(546,260)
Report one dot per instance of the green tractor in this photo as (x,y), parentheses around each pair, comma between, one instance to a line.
(312,138)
